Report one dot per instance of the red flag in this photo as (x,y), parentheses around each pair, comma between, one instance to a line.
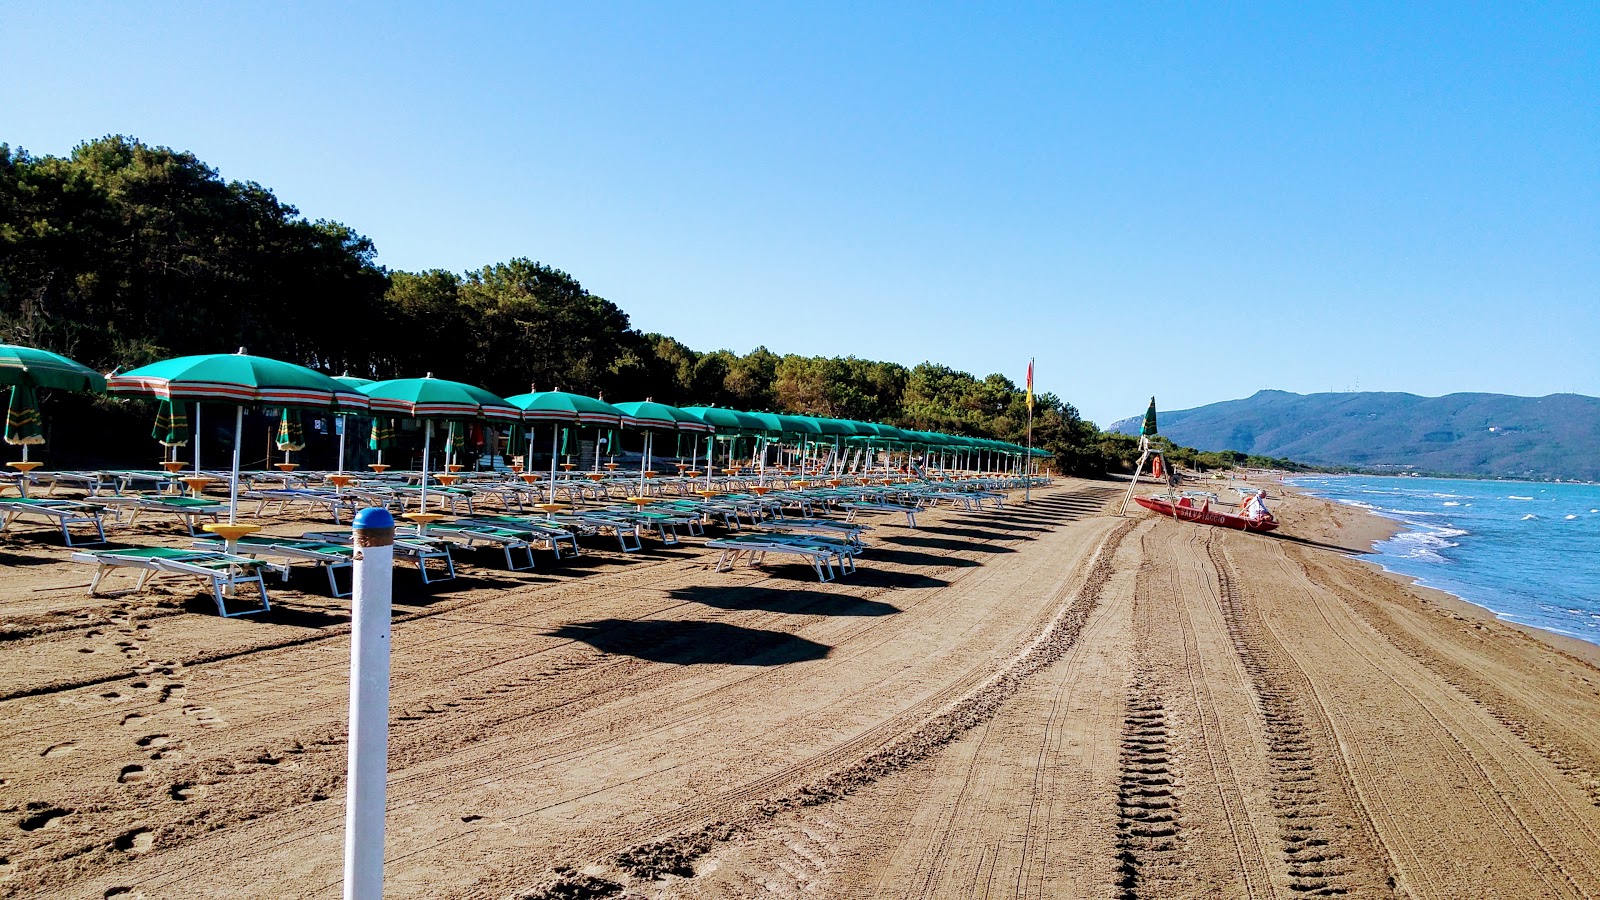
(1030,385)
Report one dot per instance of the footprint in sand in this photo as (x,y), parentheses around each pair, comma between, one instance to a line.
(58,750)
(205,716)
(85,649)
(129,773)
(170,691)
(183,792)
(132,718)
(123,893)
(139,840)
(47,817)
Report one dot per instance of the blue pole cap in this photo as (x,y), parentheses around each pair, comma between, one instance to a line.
(372,518)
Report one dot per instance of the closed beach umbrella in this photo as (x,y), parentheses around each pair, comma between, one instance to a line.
(382,436)
(291,433)
(240,379)
(432,400)
(24,425)
(171,428)
(27,368)
(563,408)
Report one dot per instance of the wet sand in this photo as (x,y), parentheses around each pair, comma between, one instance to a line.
(1040,701)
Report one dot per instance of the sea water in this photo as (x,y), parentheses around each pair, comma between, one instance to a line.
(1529,552)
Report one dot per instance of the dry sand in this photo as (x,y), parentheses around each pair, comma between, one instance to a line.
(1044,701)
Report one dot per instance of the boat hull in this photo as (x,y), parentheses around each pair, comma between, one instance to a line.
(1204,515)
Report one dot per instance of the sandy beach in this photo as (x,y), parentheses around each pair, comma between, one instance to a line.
(1046,700)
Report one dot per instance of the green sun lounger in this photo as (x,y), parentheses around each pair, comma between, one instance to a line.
(62,513)
(224,571)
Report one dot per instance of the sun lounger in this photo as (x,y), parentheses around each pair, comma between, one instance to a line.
(586,523)
(848,531)
(538,530)
(314,498)
(186,508)
(820,555)
(328,556)
(851,508)
(418,550)
(224,571)
(61,513)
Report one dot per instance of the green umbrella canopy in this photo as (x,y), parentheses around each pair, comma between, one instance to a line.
(352,381)
(437,398)
(779,423)
(237,378)
(41,368)
(1149,426)
(648,414)
(24,425)
(291,434)
(561,406)
(834,426)
(172,425)
(728,421)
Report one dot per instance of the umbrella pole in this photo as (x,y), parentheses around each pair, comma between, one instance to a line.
(644,463)
(711,457)
(197,437)
(555,435)
(233,485)
(343,420)
(427,447)
(597,449)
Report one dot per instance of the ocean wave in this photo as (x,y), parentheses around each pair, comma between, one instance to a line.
(1515,497)
(1414,512)
(1452,503)
(1570,518)
(1529,516)
(1359,505)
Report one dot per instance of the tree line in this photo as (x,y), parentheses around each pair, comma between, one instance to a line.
(122,253)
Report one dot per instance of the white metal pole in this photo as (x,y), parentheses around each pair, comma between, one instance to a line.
(197,437)
(233,486)
(555,436)
(343,421)
(427,448)
(369,704)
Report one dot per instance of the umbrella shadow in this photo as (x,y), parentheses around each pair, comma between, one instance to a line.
(795,602)
(916,558)
(691,642)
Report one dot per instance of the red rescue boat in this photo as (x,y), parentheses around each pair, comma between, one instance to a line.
(1186,509)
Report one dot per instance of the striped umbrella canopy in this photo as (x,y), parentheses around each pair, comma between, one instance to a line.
(240,379)
(42,368)
(729,424)
(651,416)
(436,399)
(562,407)
(237,378)
(349,380)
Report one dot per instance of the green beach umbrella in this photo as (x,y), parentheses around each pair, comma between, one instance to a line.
(42,368)
(291,433)
(240,379)
(24,425)
(171,427)
(383,435)
(29,368)
(1148,429)
(563,408)
(436,399)
(650,416)
(728,424)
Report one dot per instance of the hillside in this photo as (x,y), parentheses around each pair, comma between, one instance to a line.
(1463,434)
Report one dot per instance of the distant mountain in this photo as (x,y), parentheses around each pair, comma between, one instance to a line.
(1463,434)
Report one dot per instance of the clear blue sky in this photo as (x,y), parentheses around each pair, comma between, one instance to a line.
(1150,198)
